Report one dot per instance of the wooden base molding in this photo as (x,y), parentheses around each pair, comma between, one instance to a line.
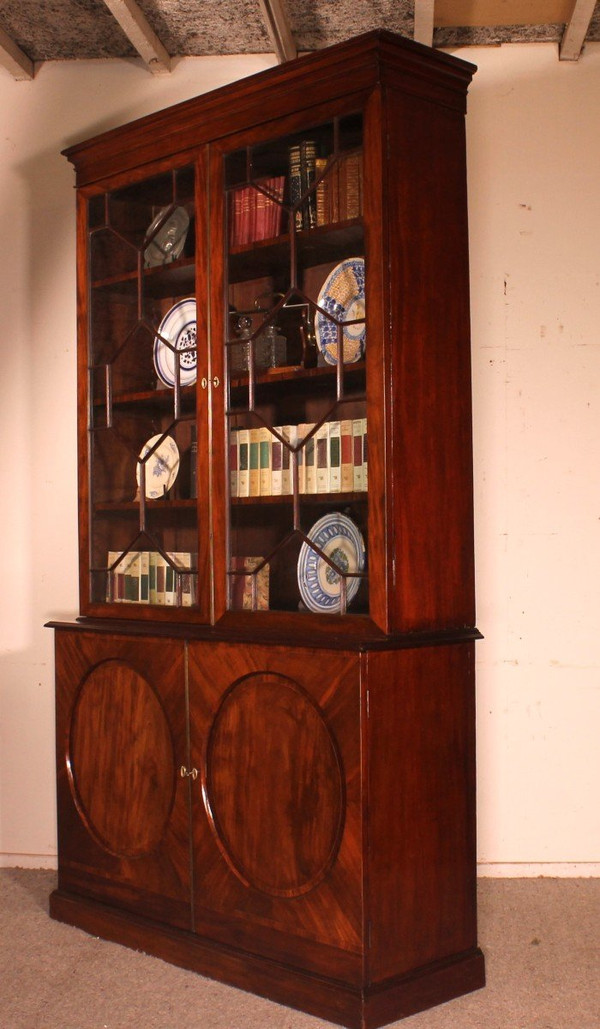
(344,1003)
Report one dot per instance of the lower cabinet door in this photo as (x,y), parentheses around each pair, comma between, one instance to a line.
(275,736)
(123,806)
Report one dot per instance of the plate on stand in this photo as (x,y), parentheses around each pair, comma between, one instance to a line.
(168,243)
(341,541)
(342,296)
(179,328)
(161,467)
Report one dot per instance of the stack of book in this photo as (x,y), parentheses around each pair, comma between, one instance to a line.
(333,459)
(339,191)
(256,213)
(146,577)
(338,185)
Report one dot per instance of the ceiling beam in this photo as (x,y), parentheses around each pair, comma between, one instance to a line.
(576,31)
(14,60)
(278,26)
(423,31)
(135,26)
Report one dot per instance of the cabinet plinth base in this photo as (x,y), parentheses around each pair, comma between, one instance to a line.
(343,1003)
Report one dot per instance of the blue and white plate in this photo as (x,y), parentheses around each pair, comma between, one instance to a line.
(343,297)
(178,327)
(340,540)
(161,466)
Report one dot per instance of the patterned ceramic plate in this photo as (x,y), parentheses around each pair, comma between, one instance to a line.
(343,297)
(341,541)
(168,243)
(179,328)
(161,467)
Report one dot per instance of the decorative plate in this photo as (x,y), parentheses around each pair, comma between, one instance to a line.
(343,297)
(340,539)
(179,328)
(168,243)
(161,467)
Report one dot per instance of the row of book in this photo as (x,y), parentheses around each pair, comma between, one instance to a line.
(254,214)
(339,194)
(146,577)
(332,188)
(333,191)
(333,459)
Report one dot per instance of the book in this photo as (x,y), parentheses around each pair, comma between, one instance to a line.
(254,463)
(335,467)
(302,175)
(365,457)
(193,462)
(357,451)
(233,462)
(144,560)
(170,584)
(307,470)
(322,190)
(277,462)
(152,578)
(182,578)
(346,457)
(130,566)
(352,185)
(322,458)
(295,183)
(265,440)
(290,436)
(243,463)
(161,573)
(308,158)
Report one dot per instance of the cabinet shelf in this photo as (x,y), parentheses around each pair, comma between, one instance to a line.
(163,506)
(304,498)
(162,398)
(164,281)
(299,374)
(324,243)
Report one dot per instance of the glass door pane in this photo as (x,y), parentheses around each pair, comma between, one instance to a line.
(296,372)
(143,543)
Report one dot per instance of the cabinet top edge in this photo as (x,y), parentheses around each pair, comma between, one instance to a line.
(348,642)
(366,59)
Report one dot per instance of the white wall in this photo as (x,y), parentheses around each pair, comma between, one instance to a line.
(534,152)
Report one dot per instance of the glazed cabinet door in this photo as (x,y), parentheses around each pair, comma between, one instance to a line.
(123,804)
(275,737)
(291,339)
(143,348)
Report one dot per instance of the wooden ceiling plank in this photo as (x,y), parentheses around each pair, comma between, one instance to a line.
(576,31)
(135,26)
(492,13)
(14,59)
(278,26)
(423,31)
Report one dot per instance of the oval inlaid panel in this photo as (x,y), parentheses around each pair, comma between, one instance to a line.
(121,760)
(274,786)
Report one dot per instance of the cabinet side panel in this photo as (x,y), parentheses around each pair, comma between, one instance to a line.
(421,768)
(431,375)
